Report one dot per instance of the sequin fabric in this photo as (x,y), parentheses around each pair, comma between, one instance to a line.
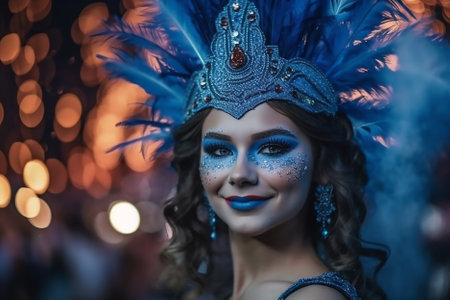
(331,279)
(243,72)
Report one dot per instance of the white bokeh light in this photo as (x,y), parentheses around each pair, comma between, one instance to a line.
(124,217)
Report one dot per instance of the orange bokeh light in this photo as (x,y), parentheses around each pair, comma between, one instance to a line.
(27,203)
(9,48)
(41,45)
(75,33)
(3,163)
(16,6)
(58,176)
(19,155)
(36,176)
(28,87)
(30,104)
(68,110)
(37,10)
(5,191)
(34,119)
(44,217)
(92,17)
(25,61)
(66,135)
(100,186)
(37,152)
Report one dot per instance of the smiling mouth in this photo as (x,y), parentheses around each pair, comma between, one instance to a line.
(246,203)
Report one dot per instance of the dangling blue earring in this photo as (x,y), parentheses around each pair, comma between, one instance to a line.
(211,218)
(324,206)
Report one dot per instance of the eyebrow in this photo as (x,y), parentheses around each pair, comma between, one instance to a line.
(256,136)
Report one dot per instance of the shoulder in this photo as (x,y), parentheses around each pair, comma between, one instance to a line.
(317,292)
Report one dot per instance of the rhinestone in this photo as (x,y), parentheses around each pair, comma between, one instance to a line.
(278,88)
(235,34)
(294,94)
(208,65)
(251,16)
(207,98)
(194,105)
(236,6)
(224,22)
(270,51)
(237,59)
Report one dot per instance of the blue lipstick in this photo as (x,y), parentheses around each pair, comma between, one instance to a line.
(246,203)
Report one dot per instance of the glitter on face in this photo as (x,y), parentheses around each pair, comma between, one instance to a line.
(277,154)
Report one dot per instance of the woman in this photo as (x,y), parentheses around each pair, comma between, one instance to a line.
(264,144)
(274,236)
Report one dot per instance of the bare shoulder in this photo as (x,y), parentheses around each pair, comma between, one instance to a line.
(316,292)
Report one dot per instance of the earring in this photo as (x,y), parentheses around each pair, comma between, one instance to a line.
(211,218)
(212,221)
(324,207)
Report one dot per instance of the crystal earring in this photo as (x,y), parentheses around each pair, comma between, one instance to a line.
(324,207)
(211,218)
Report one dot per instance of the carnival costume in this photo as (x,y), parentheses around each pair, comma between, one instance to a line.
(322,56)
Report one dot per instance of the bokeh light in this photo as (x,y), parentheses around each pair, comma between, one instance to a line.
(37,10)
(104,230)
(41,45)
(16,6)
(25,61)
(19,155)
(5,191)
(58,176)
(36,115)
(68,110)
(43,218)
(36,176)
(124,217)
(92,17)
(9,48)
(27,203)
(3,163)
(28,87)
(2,113)
(37,152)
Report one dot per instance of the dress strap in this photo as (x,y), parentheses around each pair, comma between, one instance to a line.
(330,279)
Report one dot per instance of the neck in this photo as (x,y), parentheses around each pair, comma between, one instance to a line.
(281,254)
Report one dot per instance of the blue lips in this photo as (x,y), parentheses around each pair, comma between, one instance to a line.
(246,204)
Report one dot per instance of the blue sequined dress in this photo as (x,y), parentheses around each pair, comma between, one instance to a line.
(331,279)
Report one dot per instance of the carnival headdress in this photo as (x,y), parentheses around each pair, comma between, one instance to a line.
(322,56)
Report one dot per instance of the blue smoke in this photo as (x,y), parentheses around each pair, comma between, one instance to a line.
(401,180)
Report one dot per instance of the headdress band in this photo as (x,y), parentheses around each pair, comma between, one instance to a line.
(243,72)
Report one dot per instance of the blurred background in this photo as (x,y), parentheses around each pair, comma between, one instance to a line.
(77,222)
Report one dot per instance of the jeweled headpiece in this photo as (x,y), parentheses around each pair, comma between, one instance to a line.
(243,72)
(321,56)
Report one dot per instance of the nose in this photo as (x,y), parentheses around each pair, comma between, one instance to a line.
(243,173)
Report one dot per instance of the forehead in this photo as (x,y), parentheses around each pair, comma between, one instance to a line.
(262,118)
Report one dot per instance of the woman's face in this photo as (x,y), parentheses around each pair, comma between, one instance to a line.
(256,171)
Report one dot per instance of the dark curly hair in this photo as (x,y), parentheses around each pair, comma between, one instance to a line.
(338,160)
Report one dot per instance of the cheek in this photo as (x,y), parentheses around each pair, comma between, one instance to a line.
(213,169)
(287,170)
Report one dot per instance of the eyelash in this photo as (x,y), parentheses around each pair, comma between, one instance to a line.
(211,149)
(281,146)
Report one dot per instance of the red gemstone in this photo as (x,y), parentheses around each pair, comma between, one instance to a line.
(278,88)
(224,22)
(270,51)
(207,99)
(237,59)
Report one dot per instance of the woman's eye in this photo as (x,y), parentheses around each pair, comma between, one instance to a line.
(275,149)
(218,151)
